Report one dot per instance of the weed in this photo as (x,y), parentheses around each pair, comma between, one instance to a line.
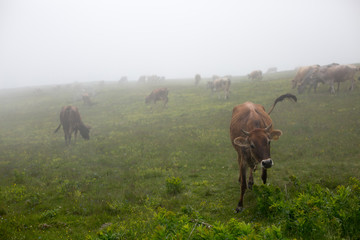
(174,185)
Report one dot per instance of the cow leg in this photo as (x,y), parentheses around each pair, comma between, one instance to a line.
(332,89)
(66,136)
(251,179)
(338,88)
(226,95)
(352,84)
(264,175)
(315,86)
(243,187)
(76,131)
(69,139)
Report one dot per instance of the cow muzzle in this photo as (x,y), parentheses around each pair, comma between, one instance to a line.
(267,163)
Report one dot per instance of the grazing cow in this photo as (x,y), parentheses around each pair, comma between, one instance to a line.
(159,94)
(71,121)
(302,74)
(197,79)
(251,131)
(335,74)
(86,99)
(255,75)
(221,84)
(154,79)
(272,70)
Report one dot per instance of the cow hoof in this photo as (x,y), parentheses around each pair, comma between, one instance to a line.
(239,209)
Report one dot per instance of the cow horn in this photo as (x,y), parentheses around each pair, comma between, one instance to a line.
(245,132)
(268,127)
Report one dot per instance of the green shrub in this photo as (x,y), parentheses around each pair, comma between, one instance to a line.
(269,199)
(174,185)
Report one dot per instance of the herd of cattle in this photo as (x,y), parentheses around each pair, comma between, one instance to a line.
(251,128)
(312,76)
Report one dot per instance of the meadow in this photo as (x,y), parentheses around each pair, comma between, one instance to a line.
(171,173)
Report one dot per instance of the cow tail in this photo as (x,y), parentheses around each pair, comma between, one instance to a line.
(57,128)
(281,98)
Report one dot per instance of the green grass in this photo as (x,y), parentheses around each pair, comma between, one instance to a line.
(122,174)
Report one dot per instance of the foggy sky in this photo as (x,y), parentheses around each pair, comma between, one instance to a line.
(50,42)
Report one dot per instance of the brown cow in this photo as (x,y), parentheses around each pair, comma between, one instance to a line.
(71,121)
(251,132)
(302,74)
(255,75)
(159,94)
(221,84)
(86,99)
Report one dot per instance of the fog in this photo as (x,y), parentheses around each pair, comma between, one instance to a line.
(54,42)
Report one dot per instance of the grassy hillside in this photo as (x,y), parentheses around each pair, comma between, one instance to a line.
(142,162)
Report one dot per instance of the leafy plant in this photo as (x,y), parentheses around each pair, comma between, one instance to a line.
(315,211)
(174,185)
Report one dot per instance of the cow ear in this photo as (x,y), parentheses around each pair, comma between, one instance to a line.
(241,142)
(275,134)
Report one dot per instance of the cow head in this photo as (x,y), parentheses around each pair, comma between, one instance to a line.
(85,131)
(258,142)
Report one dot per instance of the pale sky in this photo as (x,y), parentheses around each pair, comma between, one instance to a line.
(63,41)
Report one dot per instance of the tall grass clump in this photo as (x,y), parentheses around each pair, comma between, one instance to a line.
(174,185)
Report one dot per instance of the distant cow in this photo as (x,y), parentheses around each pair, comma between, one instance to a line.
(221,84)
(272,70)
(255,75)
(159,94)
(71,121)
(197,79)
(214,77)
(123,79)
(86,99)
(251,132)
(302,74)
